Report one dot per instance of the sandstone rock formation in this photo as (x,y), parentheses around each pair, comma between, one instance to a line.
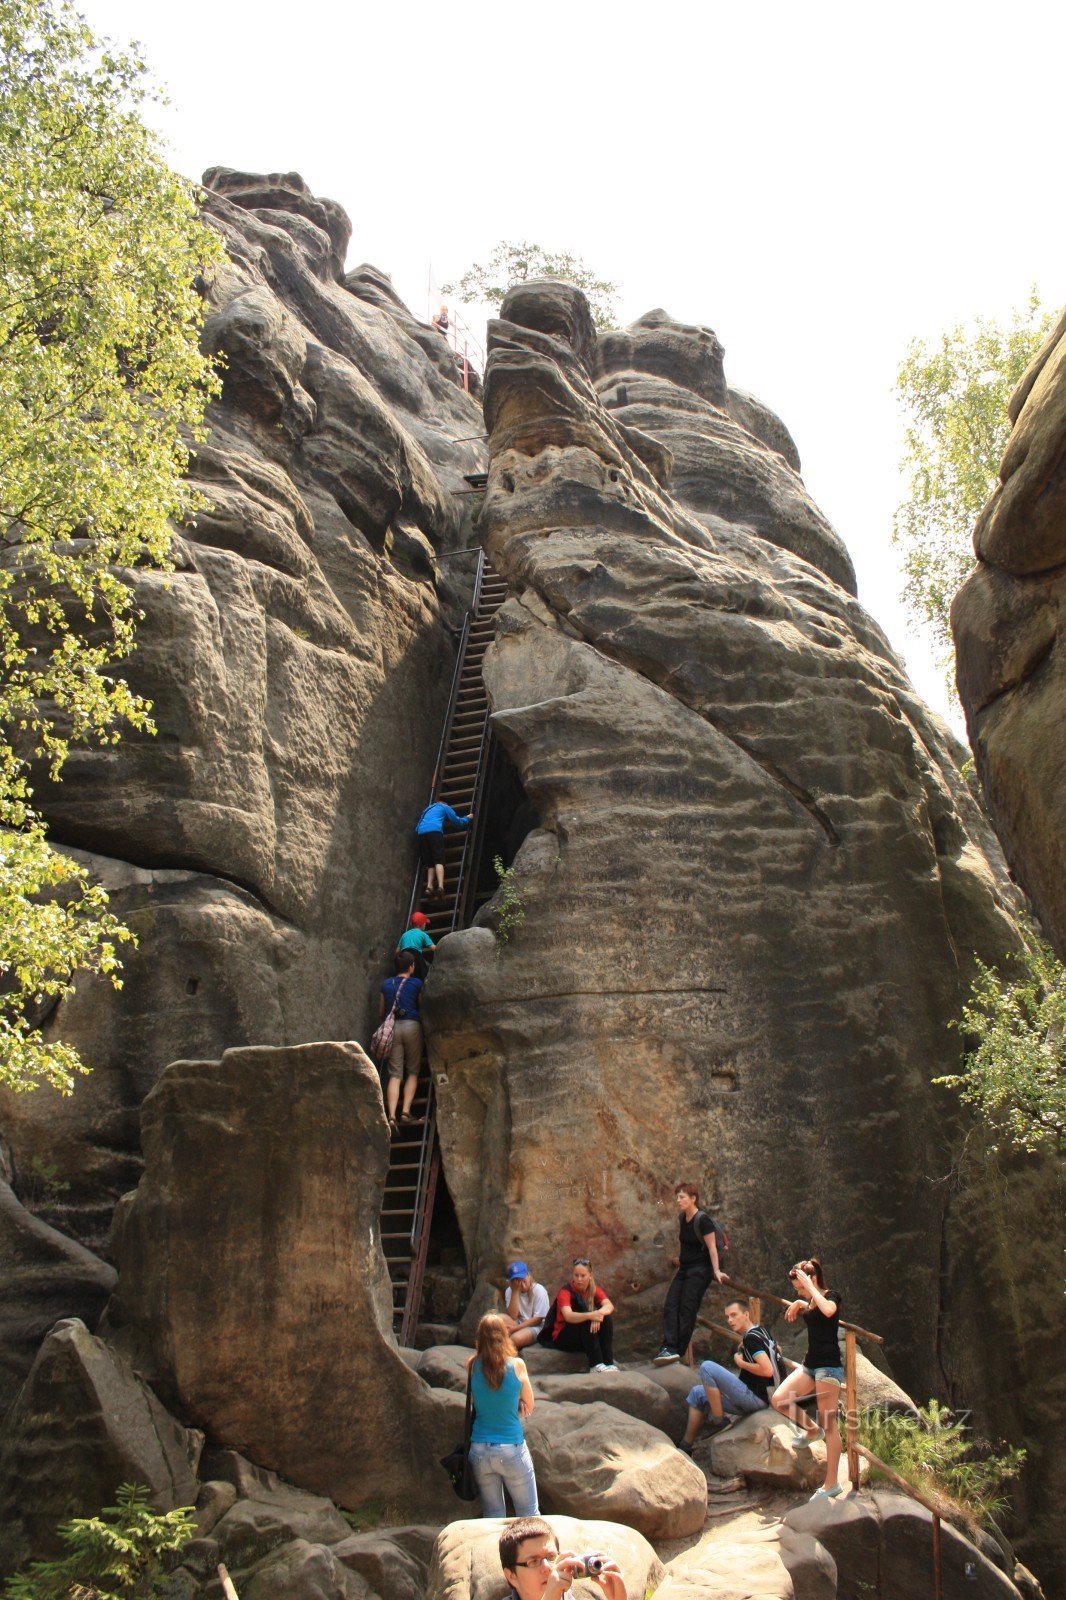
(46,1277)
(82,1425)
(252,1285)
(752,902)
(1007,627)
(260,844)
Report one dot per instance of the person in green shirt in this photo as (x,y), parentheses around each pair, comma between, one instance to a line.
(417,940)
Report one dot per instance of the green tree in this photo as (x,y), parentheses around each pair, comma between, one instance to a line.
(102,389)
(953,392)
(118,1555)
(515,263)
(1014,1075)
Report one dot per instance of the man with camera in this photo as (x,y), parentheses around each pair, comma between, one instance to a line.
(536,1569)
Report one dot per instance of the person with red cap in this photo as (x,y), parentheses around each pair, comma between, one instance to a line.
(417,940)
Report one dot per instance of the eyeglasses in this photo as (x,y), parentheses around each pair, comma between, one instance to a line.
(581,1261)
(544,1560)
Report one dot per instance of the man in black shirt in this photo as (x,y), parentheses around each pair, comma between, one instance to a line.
(728,1394)
(698,1266)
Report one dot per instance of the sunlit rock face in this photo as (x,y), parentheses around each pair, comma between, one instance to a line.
(1006,620)
(758,881)
(259,845)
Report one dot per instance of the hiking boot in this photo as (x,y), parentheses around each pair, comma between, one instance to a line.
(665,1357)
(684,1446)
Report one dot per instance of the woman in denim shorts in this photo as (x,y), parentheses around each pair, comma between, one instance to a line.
(821,1373)
(503,1398)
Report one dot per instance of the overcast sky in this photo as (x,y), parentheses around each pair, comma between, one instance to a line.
(820,183)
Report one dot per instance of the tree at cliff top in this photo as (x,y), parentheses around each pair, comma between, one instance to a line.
(954,392)
(1015,1073)
(515,263)
(101,386)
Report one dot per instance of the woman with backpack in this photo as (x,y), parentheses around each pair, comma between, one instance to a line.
(503,1397)
(582,1319)
(698,1266)
(821,1373)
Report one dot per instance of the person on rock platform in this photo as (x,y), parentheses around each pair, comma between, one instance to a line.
(584,1318)
(697,1268)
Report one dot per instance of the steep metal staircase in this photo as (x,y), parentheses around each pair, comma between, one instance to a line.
(459,780)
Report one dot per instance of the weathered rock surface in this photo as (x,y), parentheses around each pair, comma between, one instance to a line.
(466,1560)
(764,1448)
(302,1571)
(753,900)
(769,1562)
(82,1425)
(46,1276)
(260,844)
(252,1283)
(630,1392)
(596,1461)
(393,1562)
(883,1543)
(1006,620)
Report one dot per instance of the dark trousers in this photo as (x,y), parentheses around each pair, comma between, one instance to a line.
(682,1303)
(598,1347)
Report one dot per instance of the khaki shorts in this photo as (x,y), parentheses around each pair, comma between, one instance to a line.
(406,1052)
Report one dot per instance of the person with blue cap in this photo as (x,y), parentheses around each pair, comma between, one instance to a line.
(527,1305)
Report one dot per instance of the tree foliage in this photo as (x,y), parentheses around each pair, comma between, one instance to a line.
(1015,1074)
(936,1454)
(953,392)
(118,1555)
(102,388)
(515,263)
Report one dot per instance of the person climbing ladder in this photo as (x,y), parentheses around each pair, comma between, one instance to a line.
(429,831)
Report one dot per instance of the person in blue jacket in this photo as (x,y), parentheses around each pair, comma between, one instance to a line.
(429,831)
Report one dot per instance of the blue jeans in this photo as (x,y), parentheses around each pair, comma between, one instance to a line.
(737,1398)
(497,1467)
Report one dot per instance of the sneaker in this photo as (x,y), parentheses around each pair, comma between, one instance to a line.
(665,1357)
(684,1446)
(600,1367)
(718,1424)
(609,1366)
(811,1436)
(827,1494)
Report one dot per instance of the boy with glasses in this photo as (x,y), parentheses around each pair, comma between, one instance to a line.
(536,1569)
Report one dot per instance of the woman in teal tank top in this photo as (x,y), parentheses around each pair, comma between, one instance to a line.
(503,1398)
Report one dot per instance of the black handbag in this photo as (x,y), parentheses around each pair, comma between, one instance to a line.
(457,1462)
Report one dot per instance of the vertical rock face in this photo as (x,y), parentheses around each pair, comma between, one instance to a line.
(252,1287)
(1006,620)
(259,846)
(752,902)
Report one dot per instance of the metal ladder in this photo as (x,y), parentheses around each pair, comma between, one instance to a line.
(459,779)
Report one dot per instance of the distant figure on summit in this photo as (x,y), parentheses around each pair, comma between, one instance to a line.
(440,321)
(418,941)
(429,831)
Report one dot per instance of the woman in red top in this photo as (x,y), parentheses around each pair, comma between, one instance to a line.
(584,1319)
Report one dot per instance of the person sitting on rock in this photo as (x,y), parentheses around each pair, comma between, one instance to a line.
(429,831)
(417,940)
(527,1305)
(536,1569)
(821,1373)
(732,1394)
(440,321)
(697,1268)
(584,1318)
(404,991)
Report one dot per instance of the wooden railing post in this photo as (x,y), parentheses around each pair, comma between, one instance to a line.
(851,1409)
(755,1308)
(938,1576)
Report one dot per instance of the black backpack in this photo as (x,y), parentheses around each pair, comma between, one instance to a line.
(773,1350)
(721,1239)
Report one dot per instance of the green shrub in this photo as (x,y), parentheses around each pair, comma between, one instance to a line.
(935,1454)
(118,1555)
(508,910)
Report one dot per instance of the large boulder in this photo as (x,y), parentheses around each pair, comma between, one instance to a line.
(84,1424)
(46,1277)
(252,1284)
(882,1544)
(724,753)
(764,1448)
(630,1392)
(765,1562)
(466,1560)
(595,1461)
(302,1571)
(393,1562)
(297,664)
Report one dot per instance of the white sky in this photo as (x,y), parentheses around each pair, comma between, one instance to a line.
(819,183)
